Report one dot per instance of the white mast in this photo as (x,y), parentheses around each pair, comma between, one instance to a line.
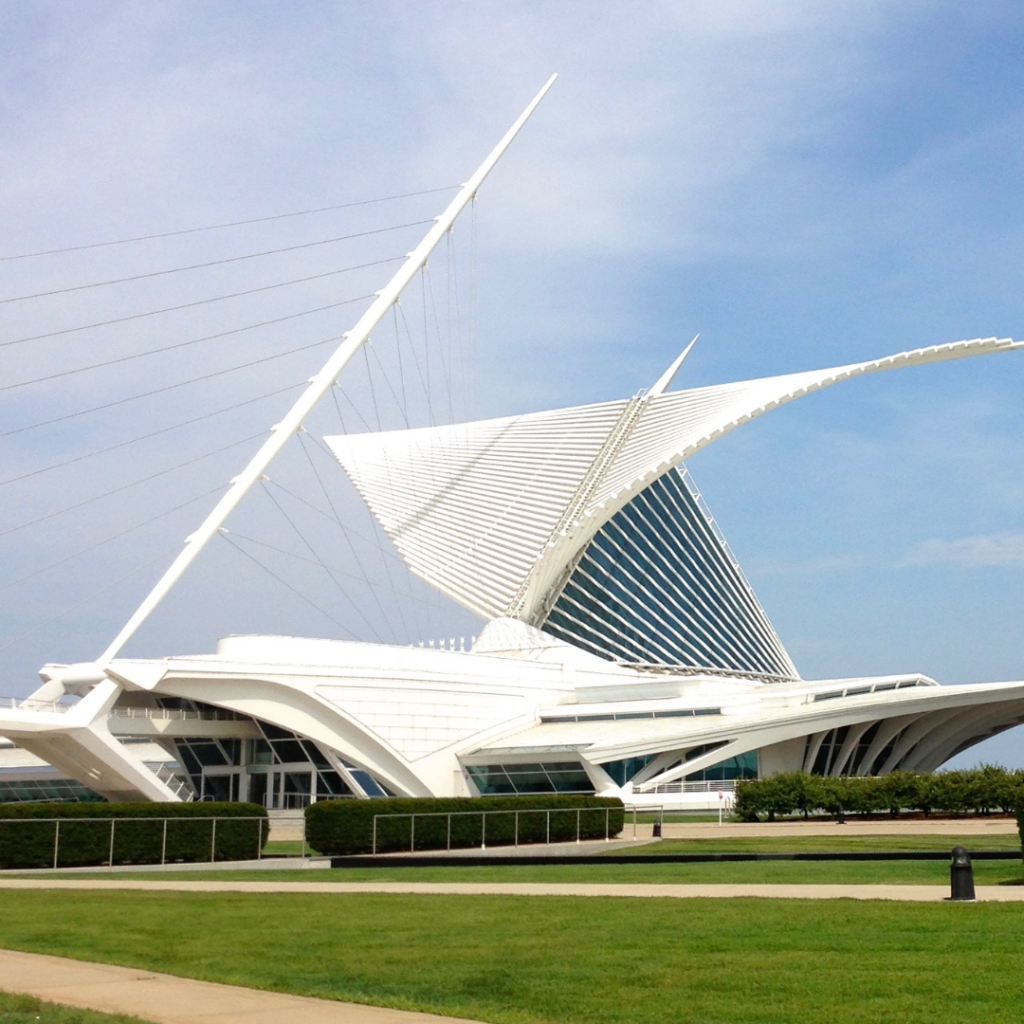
(318,386)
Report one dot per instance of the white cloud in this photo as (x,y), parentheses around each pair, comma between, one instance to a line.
(819,565)
(686,152)
(970,552)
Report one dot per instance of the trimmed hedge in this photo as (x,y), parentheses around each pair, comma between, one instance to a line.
(979,790)
(84,841)
(344,827)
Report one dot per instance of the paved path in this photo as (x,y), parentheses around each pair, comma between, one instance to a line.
(585,848)
(165,999)
(916,893)
(964,827)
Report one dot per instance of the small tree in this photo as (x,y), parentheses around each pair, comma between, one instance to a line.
(834,797)
(898,790)
(924,795)
(782,793)
(749,801)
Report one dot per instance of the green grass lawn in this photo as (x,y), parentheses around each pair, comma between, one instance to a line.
(824,844)
(767,844)
(924,872)
(532,960)
(921,872)
(286,848)
(16,1009)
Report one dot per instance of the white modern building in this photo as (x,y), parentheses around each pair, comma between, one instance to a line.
(624,652)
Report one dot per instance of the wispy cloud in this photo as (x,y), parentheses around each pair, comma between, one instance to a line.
(970,552)
(821,565)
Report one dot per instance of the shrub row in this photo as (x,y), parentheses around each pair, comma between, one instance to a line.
(980,790)
(83,840)
(345,827)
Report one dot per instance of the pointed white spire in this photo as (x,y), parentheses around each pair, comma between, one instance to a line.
(666,378)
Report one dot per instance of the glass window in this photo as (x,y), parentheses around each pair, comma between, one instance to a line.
(706,748)
(623,771)
(742,766)
(576,781)
(273,732)
(232,751)
(523,779)
(532,782)
(656,584)
(188,759)
(288,751)
(217,787)
(207,752)
(491,780)
(331,783)
(297,782)
(314,754)
(59,790)
(260,752)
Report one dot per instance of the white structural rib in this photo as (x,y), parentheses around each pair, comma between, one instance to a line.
(470,506)
(479,510)
(318,387)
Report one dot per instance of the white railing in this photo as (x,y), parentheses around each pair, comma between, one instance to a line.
(708,786)
(159,714)
(447,643)
(19,704)
(861,689)
(177,714)
(180,786)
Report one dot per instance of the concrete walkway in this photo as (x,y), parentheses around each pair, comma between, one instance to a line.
(165,999)
(959,827)
(915,893)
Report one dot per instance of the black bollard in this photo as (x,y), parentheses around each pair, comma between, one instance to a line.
(656,830)
(961,875)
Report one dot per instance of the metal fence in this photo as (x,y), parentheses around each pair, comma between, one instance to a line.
(56,822)
(547,811)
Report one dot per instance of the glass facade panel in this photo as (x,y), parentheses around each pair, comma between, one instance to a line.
(56,790)
(330,783)
(623,771)
(289,751)
(524,779)
(571,782)
(258,763)
(491,780)
(531,782)
(742,766)
(366,782)
(657,585)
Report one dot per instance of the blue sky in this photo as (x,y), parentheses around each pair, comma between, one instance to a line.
(805,184)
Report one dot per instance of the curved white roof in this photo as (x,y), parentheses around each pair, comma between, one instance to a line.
(492,513)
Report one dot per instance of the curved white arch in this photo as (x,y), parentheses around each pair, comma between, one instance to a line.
(492,513)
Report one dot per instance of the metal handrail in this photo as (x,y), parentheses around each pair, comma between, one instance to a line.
(178,784)
(27,704)
(413,815)
(178,714)
(163,848)
(706,786)
(652,809)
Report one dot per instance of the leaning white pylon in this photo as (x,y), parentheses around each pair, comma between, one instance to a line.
(318,387)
